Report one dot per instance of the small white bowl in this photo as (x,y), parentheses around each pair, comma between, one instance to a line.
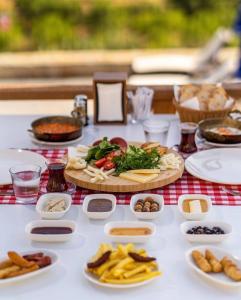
(206,238)
(219,278)
(194,216)
(129,238)
(51,238)
(147,215)
(99,215)
(44,199)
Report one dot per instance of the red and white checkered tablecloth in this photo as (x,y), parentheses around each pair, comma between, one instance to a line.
(171,192)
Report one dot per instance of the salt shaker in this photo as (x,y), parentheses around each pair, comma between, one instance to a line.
(80,109)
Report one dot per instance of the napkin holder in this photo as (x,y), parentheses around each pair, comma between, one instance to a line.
(110,102)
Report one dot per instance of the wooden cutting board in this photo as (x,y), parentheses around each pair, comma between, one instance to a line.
(116,184)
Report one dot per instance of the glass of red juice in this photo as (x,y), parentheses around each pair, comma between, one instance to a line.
(188,131)
(25,180)
(56,181)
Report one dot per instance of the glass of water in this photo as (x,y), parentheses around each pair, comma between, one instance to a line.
(25,179)
(156,131)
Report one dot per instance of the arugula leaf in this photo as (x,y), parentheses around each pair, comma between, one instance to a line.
(101,150)
(136,158)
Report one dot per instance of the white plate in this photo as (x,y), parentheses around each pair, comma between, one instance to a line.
(218,278)
(194,216)
(94,280)
(11,157)
(54,259)
(50,238)
(44,199)
(147,215)
(129,238)
(221,165)
(206,238)
(45,143)
(99,215)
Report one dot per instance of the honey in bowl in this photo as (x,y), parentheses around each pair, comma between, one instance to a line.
(130,231)
(186,205)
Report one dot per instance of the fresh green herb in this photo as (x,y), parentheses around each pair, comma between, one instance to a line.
(101,150)
(136,158)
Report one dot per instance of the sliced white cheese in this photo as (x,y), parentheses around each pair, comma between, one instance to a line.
(141,178)
(74,152)
(195,206)
(145,171)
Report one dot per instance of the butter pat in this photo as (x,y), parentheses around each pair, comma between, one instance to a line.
(195,206)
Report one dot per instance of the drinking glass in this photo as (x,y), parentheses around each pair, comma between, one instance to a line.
(56,182)
(156,131)
(25,180)
(188,131)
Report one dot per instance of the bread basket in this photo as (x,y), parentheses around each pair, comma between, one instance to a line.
(193,115)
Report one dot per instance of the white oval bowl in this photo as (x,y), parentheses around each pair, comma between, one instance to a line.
(50,238)
(99,215)
(194,216)
(206,238)
(54,261)
(218,278)
(147,215)
(129,238)
(44,199)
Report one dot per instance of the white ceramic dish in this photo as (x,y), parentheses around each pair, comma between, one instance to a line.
(54,259)
(206,238)
(50,238)
(216,165)
(147,215)
(194,216)
(55,144)
(44,199)
(93,279)
(11,157)
(129,238)
(99,215)
(218,278)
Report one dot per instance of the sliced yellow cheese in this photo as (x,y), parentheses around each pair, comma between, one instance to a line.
(141,178)
(145,171)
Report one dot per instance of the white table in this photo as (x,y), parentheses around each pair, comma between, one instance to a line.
(66,280)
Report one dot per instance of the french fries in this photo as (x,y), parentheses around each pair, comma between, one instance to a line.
(17,265)
(120,268)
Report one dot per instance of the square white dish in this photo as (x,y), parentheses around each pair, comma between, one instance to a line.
(129,238)
(214,278)
(44,199)
(50,238)
(206,238)
(99,215)
(194,216)
(147,215)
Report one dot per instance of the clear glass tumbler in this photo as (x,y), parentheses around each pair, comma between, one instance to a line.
(156,131)
(25,180)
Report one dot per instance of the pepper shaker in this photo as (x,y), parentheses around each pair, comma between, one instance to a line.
(80,109)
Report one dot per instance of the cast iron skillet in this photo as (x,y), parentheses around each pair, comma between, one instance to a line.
(206,125)
(57,137)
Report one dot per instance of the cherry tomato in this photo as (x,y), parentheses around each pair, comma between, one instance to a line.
(113,154)
(100,162)
(109,165)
